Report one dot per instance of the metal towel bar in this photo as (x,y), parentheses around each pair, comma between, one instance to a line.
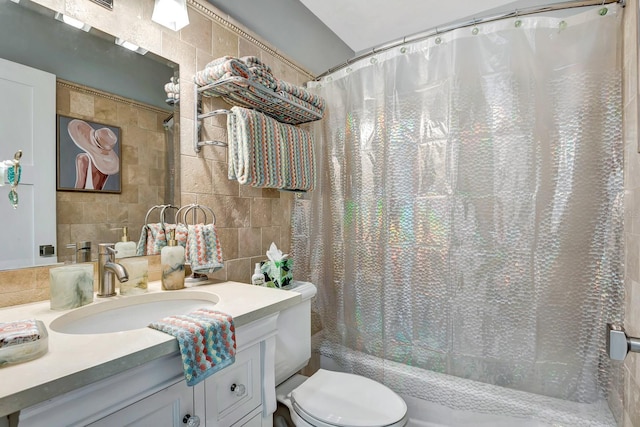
(199,144)
(619,343)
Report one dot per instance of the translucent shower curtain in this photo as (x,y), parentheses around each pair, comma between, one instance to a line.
(468,213)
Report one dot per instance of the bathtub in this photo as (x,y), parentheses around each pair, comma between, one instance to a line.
(439,400)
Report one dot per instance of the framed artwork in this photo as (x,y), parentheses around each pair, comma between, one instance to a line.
(89,156)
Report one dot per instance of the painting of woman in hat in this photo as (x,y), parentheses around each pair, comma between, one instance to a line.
(96,160)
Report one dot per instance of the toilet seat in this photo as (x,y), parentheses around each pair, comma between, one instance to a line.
(331,399)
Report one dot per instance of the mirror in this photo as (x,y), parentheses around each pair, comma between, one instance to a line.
(100,82)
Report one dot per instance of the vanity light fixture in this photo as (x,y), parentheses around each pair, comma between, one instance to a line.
(72,21)
(171,14)
(131,46)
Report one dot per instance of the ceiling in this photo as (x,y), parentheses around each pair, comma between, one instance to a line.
(320,34)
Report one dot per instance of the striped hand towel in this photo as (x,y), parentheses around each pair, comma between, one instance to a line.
(203,251)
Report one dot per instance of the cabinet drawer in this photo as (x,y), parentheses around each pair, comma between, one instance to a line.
(234,391)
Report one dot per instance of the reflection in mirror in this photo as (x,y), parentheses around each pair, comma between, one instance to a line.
(97,81)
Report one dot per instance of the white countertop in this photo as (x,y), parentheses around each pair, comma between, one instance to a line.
(76,360)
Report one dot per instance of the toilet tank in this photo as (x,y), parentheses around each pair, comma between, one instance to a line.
(293,339)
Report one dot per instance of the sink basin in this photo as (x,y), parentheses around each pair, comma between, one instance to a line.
(131,312)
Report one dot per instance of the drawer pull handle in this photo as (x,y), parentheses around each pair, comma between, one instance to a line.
(191,421)
(238,389)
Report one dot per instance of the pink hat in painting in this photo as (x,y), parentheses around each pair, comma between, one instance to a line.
(98,144)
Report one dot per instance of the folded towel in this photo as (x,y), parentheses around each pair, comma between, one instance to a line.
(254,61)
(203,251)
(219,61)
(260,75)
(221,68)
(268,154)
(299,101)
(301,93)
(207,341)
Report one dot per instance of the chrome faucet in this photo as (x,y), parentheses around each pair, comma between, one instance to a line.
(108,270)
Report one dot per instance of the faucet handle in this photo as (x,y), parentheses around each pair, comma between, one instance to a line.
(107,249)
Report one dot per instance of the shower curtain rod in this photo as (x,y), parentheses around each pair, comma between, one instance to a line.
(463,24)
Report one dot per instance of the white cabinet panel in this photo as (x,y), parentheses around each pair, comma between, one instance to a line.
(234,391)
(166,408)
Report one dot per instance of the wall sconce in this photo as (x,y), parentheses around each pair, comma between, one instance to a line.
(171,14)
(131,46)
(72,21)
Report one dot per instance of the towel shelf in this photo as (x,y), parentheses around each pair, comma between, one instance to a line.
(249,94)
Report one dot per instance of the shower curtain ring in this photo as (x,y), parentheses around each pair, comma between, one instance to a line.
(403,48)
(603,10)
(438,38)
(475,30)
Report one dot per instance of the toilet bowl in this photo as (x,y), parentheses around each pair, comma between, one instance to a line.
(332,399)
(327,398)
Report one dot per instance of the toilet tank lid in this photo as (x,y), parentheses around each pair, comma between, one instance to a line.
(306,289)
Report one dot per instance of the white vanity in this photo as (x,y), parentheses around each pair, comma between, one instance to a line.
(135,377)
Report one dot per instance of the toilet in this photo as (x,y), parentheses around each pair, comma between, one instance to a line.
(327,398)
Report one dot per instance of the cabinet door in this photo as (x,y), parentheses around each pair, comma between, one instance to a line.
(234,392)
(166,408)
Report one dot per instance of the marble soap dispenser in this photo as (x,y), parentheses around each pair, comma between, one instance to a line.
(71,286)
(172,263)
(138,269)
(125,248)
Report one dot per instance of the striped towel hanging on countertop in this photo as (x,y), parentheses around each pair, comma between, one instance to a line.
(268,154)
(206,339)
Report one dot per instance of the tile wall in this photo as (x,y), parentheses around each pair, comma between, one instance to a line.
(94,216)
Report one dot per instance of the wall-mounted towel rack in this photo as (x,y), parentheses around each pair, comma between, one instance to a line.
(197,144)
(249,94)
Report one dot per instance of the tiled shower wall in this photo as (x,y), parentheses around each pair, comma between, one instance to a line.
(248,219)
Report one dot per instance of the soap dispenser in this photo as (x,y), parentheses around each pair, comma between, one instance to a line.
(125,248)
(258,276)
(172,262)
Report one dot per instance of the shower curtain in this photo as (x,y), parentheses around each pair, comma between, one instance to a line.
(468,212)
